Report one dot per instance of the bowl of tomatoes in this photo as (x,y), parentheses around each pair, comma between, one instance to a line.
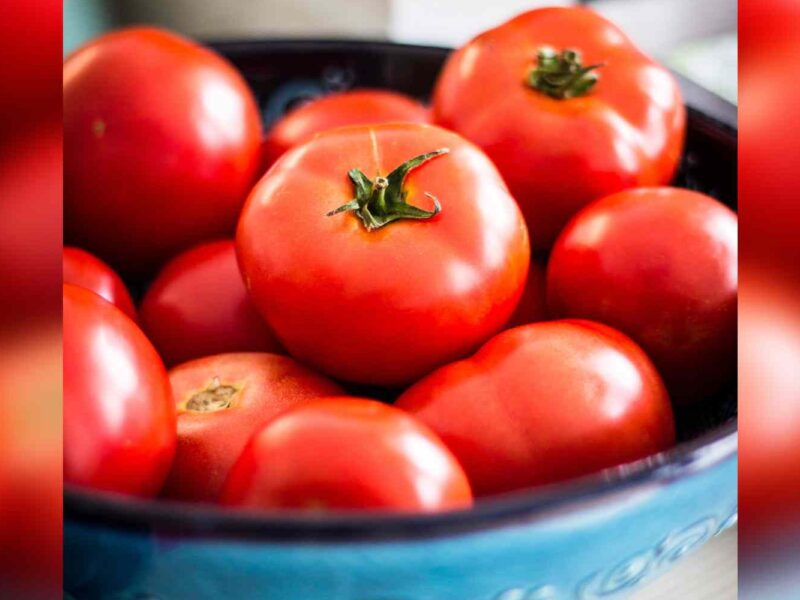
(458,325)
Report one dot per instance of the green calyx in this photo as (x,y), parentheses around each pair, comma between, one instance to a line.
(378,203)
(561,75)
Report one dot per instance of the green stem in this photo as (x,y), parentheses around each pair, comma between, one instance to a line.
(561,75)
(383,201)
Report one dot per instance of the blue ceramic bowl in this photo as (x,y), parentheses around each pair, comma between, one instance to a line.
(596,537)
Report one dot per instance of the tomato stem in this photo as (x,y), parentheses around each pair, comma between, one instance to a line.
(561,75)
(383,201)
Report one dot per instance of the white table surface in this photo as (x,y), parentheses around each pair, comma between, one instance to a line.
(708,574)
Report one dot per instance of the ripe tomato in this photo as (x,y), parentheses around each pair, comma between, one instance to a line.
(357,107)
(367,298)
(119,417)
(161,145)
(532,307)
(222,400)
(546,402)
(87,271)
(198,306)
(567,108)
(659,264)
(347,453)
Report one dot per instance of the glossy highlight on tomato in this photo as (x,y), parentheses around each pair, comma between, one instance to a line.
(354,107)
(221,401)
(161,145)
(119,417)
(661,265)
(198,306)
(347,453)
(362,295)
(87,271)
(546,402)
(567,108)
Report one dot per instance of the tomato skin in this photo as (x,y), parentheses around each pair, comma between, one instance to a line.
(210,442)
(198,306)
(87,271)
(659,264)
(356,107)
(558,155)
(347,453)
(546,402)
(417,293)
(154,164)
(119,417)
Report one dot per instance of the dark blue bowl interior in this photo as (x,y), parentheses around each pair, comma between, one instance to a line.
(283,74)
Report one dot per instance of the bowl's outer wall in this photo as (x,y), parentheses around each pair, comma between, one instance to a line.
(605,548)
(601,551)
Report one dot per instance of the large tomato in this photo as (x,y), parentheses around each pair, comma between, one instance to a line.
(161,145)
(357,107)
(659,264)
(347,453)
(222,400)
(198,306)
(357,280)
(567,108)
(546,402)
(119,417)
(87,271)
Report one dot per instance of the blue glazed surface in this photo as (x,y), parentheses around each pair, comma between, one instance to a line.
(601,549)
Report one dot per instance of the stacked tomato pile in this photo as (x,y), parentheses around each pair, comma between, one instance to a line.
(508,268)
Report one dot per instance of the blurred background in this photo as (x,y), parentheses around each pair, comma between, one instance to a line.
(697,39)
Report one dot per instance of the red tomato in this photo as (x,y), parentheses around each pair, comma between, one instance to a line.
(366,298)
(659,264)
(222,400)
(87,271)
(561,132)
(357,107)
(347,453)
(532,307)
(161,145)
(119,417)
(198,306)
(546,402)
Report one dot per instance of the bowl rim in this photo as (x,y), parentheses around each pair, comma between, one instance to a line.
(697,98)
(688,458)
